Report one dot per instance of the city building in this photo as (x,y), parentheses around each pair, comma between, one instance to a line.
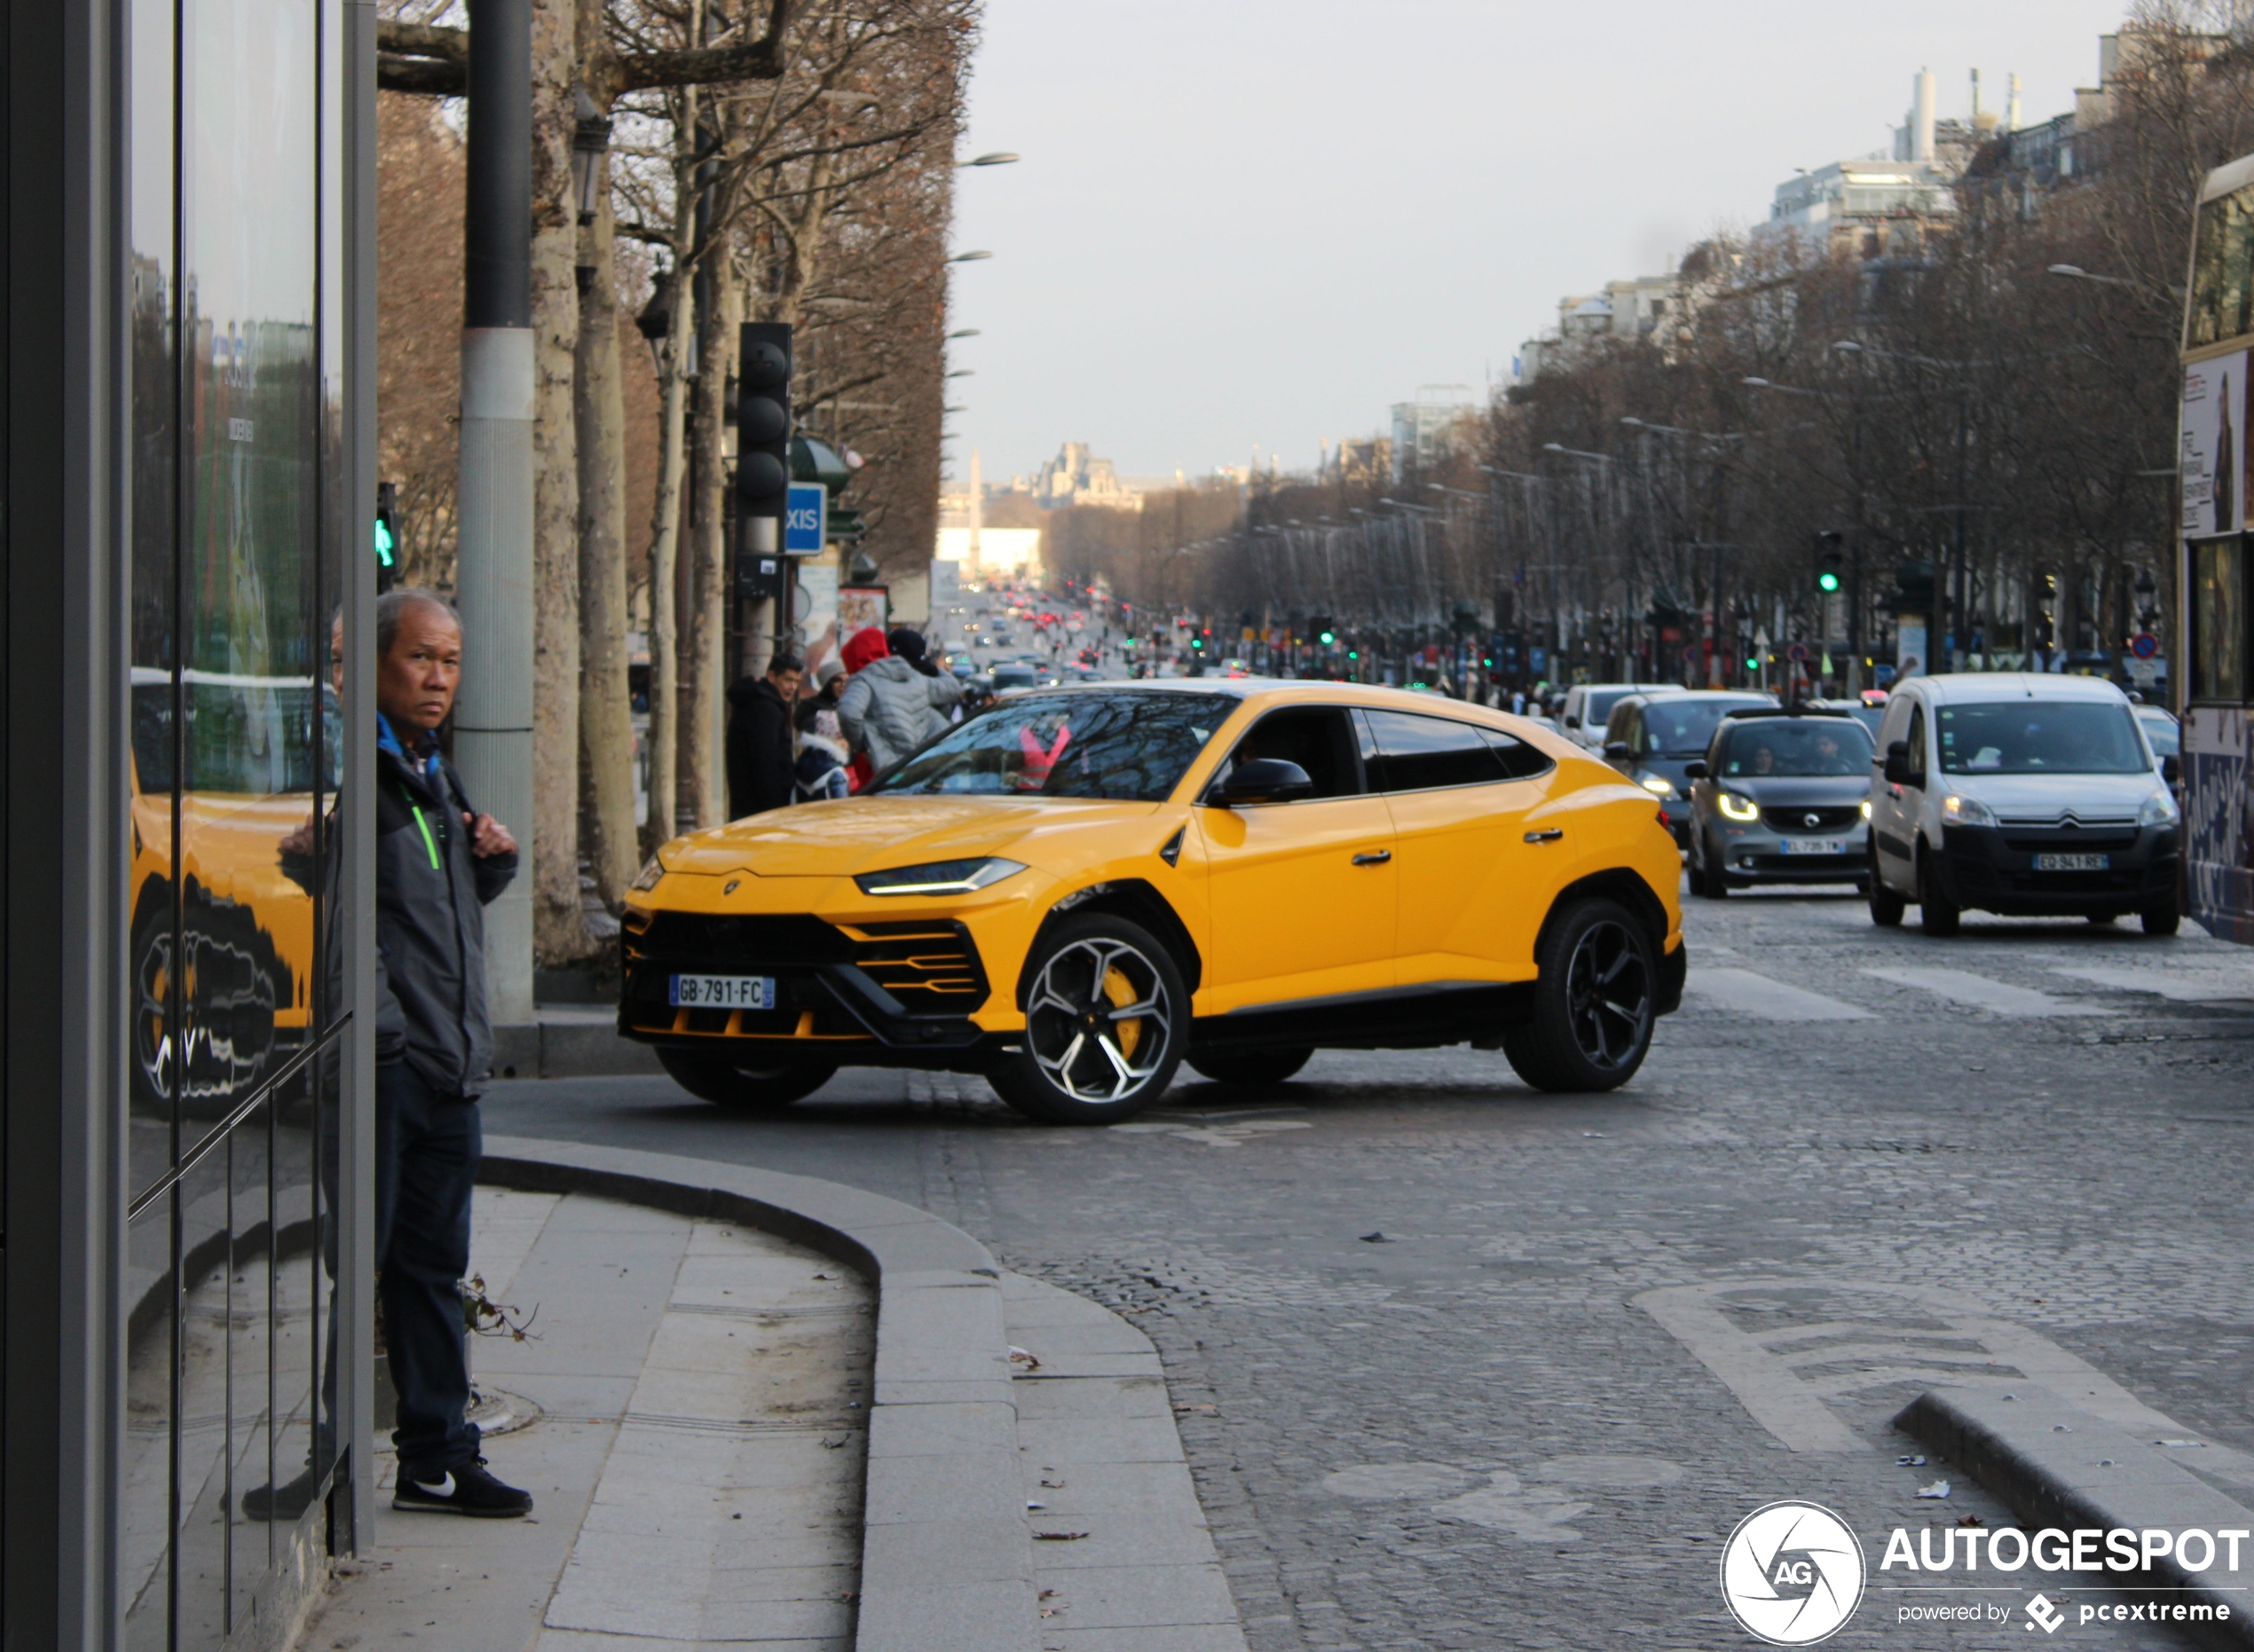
(188,998)
(1885,204)
(1629,309)
(1076,476)
(1425,429)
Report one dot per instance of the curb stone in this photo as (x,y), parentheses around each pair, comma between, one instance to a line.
(947,1559)
(570,1041)
(2057,1465)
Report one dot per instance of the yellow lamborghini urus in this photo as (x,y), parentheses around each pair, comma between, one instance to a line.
(1081,888)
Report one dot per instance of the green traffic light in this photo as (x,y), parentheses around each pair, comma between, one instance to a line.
(1353,654)
(1329,637)
(1827,582)
(383,542)
(1752,662)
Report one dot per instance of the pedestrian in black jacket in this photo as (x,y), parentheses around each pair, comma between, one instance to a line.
(760,752)
(438,864)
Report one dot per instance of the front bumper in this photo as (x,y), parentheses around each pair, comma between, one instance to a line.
(1754,852)
(1992,868)
(875,992)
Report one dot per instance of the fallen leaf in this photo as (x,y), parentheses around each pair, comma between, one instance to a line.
(1375,1239)
(1970,1520)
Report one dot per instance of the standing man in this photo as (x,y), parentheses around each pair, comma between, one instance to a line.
(759,751)
(438,864)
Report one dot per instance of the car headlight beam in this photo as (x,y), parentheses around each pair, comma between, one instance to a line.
(1737,806)
(2159,809)
(939,877)
(1659,785)
(647,879)
(1961,811)
(1866,808)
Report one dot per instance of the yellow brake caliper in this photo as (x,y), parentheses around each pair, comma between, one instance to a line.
(1121,993)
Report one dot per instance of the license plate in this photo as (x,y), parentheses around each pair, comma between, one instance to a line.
(2073,862)
(1814,846)
(721,992)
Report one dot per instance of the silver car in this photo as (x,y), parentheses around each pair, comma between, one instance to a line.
(1781,797)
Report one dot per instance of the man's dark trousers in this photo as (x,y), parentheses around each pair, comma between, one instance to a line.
(426,1147)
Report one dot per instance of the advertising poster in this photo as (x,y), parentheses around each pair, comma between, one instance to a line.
(814,613)
(2212,465)
(1910,646)
(860,606)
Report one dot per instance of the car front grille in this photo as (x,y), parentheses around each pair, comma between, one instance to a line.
(1810,817)
(930,967)
(713,940)
(2068,839)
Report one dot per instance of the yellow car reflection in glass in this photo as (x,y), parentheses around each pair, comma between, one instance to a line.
(1081,888)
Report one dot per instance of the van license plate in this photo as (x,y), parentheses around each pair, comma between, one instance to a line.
(2073,862)
(1814,846)
(723,992)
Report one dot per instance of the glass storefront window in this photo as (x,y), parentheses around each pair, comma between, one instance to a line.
(2219,621)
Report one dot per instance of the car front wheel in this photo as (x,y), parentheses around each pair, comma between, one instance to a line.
(1936,913)
(1594,1000)
(743,1086)
(1106,1019)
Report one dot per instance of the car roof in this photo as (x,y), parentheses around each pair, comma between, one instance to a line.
(1974,688)
(1806,708)
(1629,688)
(1750,696)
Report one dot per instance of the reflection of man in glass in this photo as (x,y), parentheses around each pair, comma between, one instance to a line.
(438,862)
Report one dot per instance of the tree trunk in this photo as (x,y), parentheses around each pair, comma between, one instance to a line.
(559,931)
(664,528)
(702,772)
(606,723)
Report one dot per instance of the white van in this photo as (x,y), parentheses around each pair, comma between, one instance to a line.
(1590,704)
(2021,793)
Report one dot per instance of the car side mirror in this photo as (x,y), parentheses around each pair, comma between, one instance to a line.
(1898,772)
(1263,780)
(1695,771)
(1616,751)
(1572,722)
(2171,769)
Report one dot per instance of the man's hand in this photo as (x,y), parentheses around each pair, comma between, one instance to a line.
(301,841)
(488,837)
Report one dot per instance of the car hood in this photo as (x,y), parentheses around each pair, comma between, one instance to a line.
(871,834)
(1787,791)
(2041,797)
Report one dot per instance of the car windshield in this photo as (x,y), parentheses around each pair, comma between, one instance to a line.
(2040,737)
(1804,748)
(1682,728)
(1131,747)
(2167,739)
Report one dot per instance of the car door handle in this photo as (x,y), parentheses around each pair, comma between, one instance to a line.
(1551,835)
(1379,858)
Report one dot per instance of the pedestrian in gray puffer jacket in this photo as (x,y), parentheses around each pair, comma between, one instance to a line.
(889,707)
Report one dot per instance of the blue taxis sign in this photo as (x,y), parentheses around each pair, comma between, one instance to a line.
(805,519)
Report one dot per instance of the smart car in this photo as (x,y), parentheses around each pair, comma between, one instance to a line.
(1079,888)
(1781,797)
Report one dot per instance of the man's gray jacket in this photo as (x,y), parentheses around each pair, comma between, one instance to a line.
(892,708)
(431,895)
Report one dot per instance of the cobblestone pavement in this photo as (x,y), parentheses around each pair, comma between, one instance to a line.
(1416,1319)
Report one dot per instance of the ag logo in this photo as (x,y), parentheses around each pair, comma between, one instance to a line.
(1792,1573)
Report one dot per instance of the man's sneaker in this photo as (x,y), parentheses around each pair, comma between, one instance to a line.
(281,1502)
(466,1488)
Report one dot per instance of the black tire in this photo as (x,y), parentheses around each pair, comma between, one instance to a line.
(1887,907)
(1936,915)
(2160,920)
(1707,881)
(1084,972)
(1594,1001)
(1251,1066)
(151,1051)
(740,1086)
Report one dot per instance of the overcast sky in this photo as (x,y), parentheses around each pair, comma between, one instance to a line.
(1258,223)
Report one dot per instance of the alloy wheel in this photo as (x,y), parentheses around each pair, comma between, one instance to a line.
(1608,995)
(1097,1005)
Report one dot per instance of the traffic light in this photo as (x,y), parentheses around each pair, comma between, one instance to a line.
(1831,562)
(1914,592)
(1326,633)
(763,426)
(387,533)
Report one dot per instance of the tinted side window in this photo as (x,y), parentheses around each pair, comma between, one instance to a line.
(1319,738)
(1621,725)
(1417,753)
(1917,742)
(1519,760)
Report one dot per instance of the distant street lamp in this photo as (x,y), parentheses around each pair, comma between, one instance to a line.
(964,372)
(969,258)
(964,333)
(1000,157)
(590,151)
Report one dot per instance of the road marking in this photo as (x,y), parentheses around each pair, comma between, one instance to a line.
(1954,1342)
(2222,985)
(1751,994)
(1213,1136)
(1963,987)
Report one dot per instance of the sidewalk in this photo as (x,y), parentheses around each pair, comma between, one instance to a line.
(734,1437)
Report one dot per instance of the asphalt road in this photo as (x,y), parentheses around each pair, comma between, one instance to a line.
(1444,1349)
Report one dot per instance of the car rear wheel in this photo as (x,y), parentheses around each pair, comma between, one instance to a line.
(1251,1066)
(1106,1018)
(743,1086)
(1935,914)
(1593,1002)
(2162,920)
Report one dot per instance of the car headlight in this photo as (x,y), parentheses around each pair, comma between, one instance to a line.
(2159,809)
(1740,808)
(1866,808)
(939,877)
(1658,783)
(647,879)
(1967,811)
